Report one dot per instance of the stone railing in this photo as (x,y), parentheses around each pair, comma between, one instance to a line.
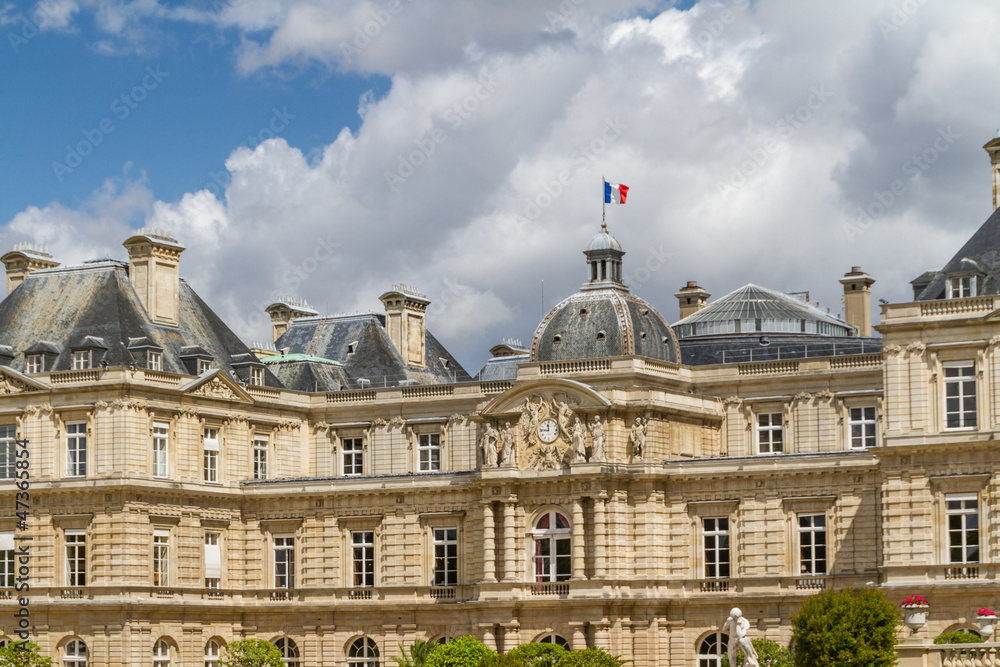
(769,368)
(68,377)
(351,396)
(497,387)
(262,392)
(948,655)
(429,391)
(583,366)
(159,377)
(976,304)
(857,361)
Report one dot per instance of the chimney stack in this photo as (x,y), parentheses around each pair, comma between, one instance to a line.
(154,271)
(404,322)
(286,311)
(692,298)
(858,300)
(993,148)
(22,260)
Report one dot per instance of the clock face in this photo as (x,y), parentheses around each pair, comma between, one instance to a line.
(548,430)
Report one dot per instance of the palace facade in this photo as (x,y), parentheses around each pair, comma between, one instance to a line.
(619,482)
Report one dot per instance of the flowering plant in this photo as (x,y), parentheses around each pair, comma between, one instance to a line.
(984,611)
(915,601)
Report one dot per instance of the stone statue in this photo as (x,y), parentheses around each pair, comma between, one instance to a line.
(489,444)
(564,414)
(736,626)
(507,437)
(638,438)
(579,441)
(598,447)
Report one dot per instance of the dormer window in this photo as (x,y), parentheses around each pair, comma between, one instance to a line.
(155,361)
(204,366)
(601,335)
(961,287)
(257,376)
(81,360)
(352,346)
(35,364)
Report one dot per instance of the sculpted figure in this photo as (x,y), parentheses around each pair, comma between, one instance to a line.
(598,446)
(579,441)
(736,626)
(507,445)
(564,415)
(489,444)
(639,438)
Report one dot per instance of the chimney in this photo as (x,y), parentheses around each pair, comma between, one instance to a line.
(22,260)
(286,311)
(858,300)
(153,269)
(993,148)
(404,322)
(692,298)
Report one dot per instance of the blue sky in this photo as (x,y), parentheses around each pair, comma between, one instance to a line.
(327,149)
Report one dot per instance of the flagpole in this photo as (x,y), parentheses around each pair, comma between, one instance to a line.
(604,204)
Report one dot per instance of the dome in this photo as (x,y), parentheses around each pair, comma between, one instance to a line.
(604,241)
(599,323)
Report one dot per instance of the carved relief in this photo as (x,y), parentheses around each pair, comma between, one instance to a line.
(995,340)
(38,410)
(916,347)
(734,401)
(891,350)
(9,385)
(216,388)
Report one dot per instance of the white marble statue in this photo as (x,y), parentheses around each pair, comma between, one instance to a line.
(579,441)
(489,444)
(736,626)
(639,438)
(507,438)
(598,446)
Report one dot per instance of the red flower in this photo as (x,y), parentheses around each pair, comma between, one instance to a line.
(915,601)
(983,611)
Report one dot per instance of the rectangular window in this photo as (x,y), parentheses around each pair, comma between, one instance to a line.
(863,428)
(161,557)
(812,543)
(354,456)
(960,394)
(204,366)
(963,527)
(155,360)
(715,533)
(363,558)
(770,436)
(213,561)
(445,556)
(962,288)
(160,440)
(260,457)
(257,376)
(430,451)
(211,455)
(35,364)
(284,561)
(8,447)
(76,557)
(76,449)
(81,360)
(7,560)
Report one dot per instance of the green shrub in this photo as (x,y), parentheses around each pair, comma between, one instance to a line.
(846,629)
(958,637)
(538,654)
(419,650)
(591,657)
(31,656)
(462,652)
(769,654)
(251,653)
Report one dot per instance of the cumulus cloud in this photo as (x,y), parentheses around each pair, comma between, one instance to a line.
(756,138)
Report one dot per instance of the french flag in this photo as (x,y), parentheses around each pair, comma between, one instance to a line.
(615,193)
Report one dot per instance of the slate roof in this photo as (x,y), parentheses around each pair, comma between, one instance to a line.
(983,248)
(374,358)
(95,306)
(502,368)
(746,348)
(777,311)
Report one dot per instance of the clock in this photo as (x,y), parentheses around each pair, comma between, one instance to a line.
(548,430)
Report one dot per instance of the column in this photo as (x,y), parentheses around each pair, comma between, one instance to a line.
(489,544)
(600,547)
(602,635)
(489,635)
(509,554)
(579,640)
(579,571)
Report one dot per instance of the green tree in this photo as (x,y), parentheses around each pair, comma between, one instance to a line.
(23,655)
(539,654)
(251,653)
(419,650)
(462,652)
(959,637)
(846,629)
(769,654)
(591,657)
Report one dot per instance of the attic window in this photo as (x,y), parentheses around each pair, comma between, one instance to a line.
(204,366)
(642,335)
(81,360)
(584,312)
(601,335)
(666,340)
(556,339)
(444,362)
(35,364)
(257,376)
(961,287)
(645,311)
(155,361)
(352,346)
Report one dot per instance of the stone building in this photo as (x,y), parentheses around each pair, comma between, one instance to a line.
(618,483)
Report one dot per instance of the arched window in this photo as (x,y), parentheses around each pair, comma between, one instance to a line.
(552,547)
(363,653)
(711,649)
(213,650)
(289,651)
(554,639)
(443,639)
(75,654)
(161,654)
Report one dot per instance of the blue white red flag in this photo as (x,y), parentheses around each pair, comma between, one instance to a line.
(615,193)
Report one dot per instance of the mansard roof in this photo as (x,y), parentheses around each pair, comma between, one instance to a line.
(95,306)
(980,254)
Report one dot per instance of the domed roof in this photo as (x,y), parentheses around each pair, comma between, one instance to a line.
(604,241)
(599,323)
